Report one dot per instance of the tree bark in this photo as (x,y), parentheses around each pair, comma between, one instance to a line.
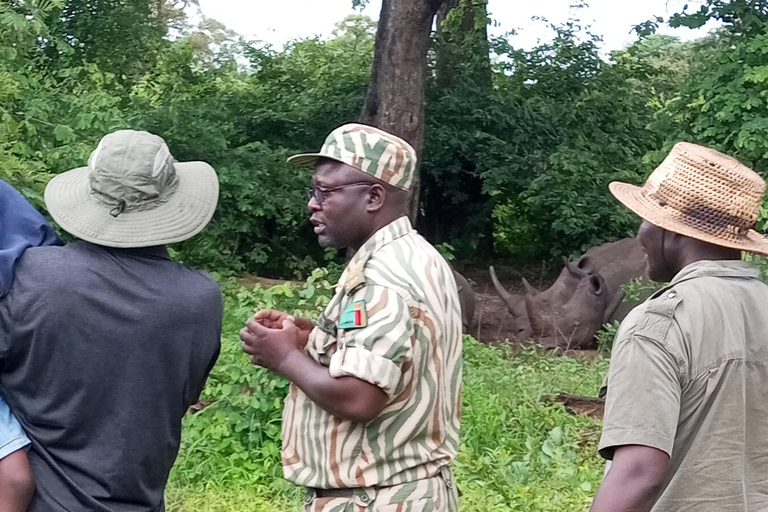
(395,100)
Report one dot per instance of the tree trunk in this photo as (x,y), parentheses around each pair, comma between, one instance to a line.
(395,101)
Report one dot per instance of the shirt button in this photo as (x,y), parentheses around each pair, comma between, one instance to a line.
(308,496)
(672,294)
(364,498)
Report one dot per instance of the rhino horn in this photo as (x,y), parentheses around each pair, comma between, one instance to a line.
(504,294)
(531,291)
(534,316)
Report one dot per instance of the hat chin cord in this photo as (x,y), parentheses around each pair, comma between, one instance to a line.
(120,208)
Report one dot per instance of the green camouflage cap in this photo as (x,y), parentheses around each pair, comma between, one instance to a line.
(373,151)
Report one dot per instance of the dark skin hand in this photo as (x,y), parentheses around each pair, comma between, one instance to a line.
(281,351)
(273,319)
(634,481)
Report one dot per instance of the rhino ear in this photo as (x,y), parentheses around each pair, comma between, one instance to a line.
(596,283)
(586,264)
(530,289)
(581,268)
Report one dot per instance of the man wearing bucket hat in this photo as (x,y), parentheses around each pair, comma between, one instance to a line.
(371,421)
(105,342)
(686,419)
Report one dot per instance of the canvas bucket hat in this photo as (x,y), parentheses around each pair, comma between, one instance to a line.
(703,194)
(133,194)
(368,149)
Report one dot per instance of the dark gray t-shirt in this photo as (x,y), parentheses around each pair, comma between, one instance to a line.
(101,353)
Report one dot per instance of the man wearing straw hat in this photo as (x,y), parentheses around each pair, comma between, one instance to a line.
(371,421)
(686,417)
(105,342)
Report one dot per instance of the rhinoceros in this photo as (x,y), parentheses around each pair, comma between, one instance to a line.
(466,300)
(586,295)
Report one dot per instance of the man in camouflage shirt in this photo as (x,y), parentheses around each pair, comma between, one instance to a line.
(371,422)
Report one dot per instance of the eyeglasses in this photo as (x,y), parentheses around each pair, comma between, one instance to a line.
(319,193)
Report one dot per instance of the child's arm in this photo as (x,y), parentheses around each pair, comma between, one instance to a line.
(16,482)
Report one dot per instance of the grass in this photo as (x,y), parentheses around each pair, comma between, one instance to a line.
(517,453)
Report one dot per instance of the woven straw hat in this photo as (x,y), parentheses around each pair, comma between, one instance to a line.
(703,194)
(133,194)
(373,151)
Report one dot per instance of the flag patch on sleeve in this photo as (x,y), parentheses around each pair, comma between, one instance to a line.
(355,316)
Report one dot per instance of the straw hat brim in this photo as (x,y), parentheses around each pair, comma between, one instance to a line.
(634,198)
(183,215)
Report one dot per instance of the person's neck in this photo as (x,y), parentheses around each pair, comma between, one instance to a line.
(709,253)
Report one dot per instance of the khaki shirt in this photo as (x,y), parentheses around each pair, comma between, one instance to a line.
(689,376)
(410,347)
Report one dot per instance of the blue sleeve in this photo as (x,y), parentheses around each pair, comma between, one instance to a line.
(23,227)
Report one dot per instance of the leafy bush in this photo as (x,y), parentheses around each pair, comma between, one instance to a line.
(719,103)
(606,336)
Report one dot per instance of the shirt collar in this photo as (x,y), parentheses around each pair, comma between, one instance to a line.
(718,268)
(156,251)
(383,236)
(353,274)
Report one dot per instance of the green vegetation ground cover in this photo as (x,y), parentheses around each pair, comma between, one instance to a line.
(517,452)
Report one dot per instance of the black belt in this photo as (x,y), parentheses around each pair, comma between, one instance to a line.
(333,493)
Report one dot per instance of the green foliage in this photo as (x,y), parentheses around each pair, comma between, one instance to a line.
(235,441)
(519,148)
(522,168)
(606,336)
(639,289)
(520,145)
(517,452)
(446,251)
(118,35)
(49,117)
(721,103)
(67,78)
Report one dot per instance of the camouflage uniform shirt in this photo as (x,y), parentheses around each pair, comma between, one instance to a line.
(410,347)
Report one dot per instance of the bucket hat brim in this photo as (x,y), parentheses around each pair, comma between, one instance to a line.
(184,214)
(634,198)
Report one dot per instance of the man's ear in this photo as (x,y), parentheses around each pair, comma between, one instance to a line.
(377,196)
